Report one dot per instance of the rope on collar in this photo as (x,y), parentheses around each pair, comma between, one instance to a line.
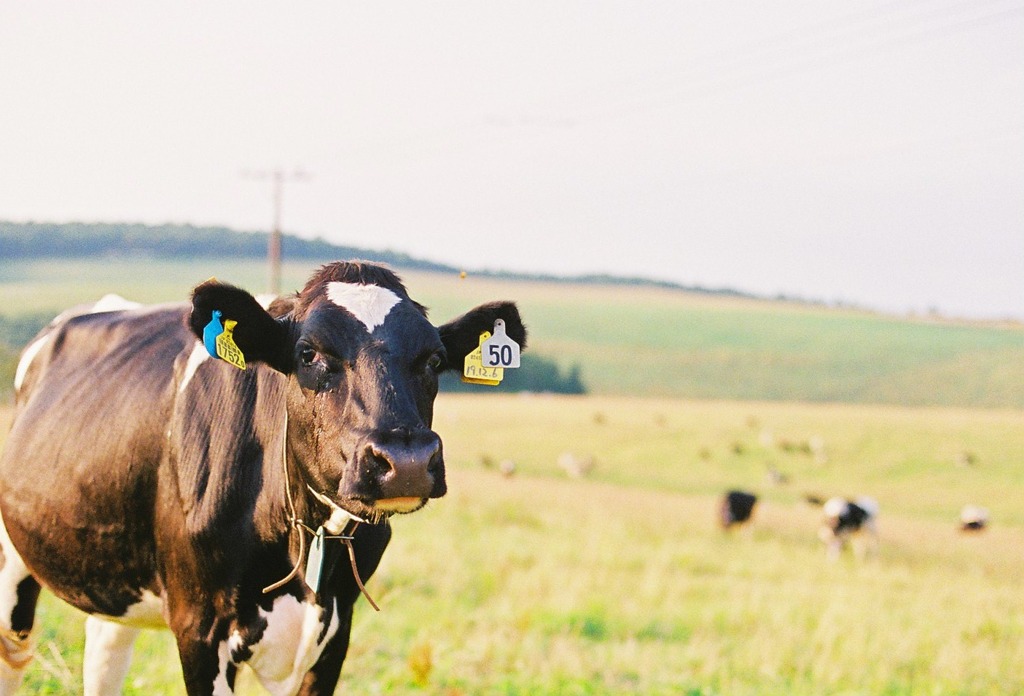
(345,533)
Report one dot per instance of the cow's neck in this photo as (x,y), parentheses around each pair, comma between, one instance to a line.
(321,513)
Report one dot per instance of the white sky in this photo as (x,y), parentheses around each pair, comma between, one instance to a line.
(869,152)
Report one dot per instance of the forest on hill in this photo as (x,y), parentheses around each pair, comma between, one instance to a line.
(175,241)
(39,240)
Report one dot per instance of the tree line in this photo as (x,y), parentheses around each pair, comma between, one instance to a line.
(27,240)
(89,240)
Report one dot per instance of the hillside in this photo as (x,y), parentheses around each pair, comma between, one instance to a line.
(32,240)
(619,339)
(660,342)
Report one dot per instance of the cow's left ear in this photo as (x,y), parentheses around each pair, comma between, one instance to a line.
(257,334)
(462,335)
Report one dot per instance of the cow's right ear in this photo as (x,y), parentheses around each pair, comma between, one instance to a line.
(257,334)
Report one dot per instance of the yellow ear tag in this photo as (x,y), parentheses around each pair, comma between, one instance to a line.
(226,348)
(473,370)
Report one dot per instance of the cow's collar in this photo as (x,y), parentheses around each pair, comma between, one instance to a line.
(340,525)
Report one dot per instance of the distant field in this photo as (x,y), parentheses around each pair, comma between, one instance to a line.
(640,341)
(619,583)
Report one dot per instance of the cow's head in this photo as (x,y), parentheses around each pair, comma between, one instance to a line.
(363,363)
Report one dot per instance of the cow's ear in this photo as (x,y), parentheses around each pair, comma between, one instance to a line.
(257,334)
(462,335)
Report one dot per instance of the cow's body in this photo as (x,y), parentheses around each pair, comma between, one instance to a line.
(973,518)
(736,508)
(847,520)
(149,484)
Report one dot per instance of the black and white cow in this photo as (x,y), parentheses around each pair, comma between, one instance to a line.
(847,520)
(149,484)
(973,518)
(736,508)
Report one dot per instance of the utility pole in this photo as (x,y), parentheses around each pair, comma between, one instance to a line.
(277,177)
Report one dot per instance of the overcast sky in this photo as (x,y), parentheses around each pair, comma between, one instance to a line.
(867,152)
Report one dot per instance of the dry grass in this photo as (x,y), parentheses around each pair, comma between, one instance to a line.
(621,583)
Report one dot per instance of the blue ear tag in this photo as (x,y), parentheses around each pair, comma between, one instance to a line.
(211,332)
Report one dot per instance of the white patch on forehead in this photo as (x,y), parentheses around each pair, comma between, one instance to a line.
(369,304)
(26,361)
(197,357)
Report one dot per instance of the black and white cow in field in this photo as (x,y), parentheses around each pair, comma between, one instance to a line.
(853,521)
(149,484)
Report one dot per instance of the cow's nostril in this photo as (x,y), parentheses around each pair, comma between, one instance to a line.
(376,461)
(436,463)
(405,469)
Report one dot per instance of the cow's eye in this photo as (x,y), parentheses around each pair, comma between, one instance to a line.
(435,363)
(308,356)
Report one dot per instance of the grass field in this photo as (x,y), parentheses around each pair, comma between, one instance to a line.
(619,583)
(636,340)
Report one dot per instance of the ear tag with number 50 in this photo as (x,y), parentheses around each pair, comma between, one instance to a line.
(499,350)
(473,370)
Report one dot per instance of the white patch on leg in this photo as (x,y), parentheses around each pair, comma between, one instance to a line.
(369,304)
(26,360)
(291,644)
(17,650)
(11,575)
(220,683)
(108,653)
(197,357)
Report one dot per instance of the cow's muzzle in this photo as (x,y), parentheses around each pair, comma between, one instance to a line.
(407,469)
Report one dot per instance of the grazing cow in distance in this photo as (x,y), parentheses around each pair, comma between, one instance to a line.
(574,466)
(973,518)
(736,508)
(849,520)
(149,484)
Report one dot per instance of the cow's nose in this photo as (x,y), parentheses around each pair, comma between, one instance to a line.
(410,468)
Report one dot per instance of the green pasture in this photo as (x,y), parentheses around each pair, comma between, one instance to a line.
(660,342)
(619,582)
(633,340)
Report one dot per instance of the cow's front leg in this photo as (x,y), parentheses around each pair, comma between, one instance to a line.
(108,653)
(19,592)
(205,662)
(322,679)
(368,548)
